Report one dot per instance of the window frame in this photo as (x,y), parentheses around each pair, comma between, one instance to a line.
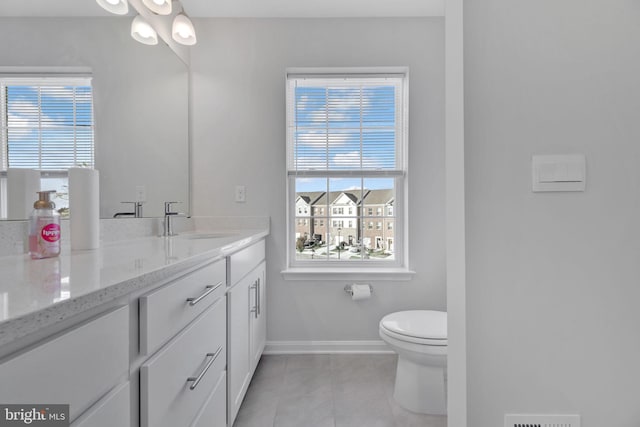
(396,269)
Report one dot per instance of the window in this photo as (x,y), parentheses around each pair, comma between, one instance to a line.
(46,123)
(346,145)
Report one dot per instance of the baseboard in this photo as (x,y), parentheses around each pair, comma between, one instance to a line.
(327,347)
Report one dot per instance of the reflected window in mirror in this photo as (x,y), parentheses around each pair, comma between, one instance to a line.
(46,124)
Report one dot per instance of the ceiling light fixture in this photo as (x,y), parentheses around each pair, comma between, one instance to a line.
(143,32)
(161,7)
(183,31)
(118,7)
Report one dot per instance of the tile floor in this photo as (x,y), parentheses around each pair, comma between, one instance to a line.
(325,390)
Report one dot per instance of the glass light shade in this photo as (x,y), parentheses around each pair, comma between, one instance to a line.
(161,7)
(143,32)
(183,31)
(118,7)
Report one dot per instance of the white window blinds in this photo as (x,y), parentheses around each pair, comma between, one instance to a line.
(339,124)
(47,123)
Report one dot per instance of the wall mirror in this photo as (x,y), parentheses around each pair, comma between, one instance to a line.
(140,103)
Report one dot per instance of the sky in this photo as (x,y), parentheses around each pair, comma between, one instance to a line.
(342,184)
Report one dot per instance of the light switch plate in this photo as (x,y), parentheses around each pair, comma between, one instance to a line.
(566,172)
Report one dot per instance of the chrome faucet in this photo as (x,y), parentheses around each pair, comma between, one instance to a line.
(168,226)
(137,211)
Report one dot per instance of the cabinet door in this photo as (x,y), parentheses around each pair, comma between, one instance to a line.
(258,315)
(112,410)
(239,368)
(214,411)
(166,311)
(77,367)
(176,381)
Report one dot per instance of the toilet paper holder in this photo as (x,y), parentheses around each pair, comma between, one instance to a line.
(349,290)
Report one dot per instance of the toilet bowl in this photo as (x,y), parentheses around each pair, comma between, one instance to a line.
(420,339)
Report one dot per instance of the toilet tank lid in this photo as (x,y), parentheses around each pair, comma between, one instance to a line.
(417,323)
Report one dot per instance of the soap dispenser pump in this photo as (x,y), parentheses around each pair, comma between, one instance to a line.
(44,228)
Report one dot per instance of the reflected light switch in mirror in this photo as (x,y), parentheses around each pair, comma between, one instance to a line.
(241,193)
(141,193)
(559,172)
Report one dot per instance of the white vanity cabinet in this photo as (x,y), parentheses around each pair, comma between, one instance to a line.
(186,321)
(246,321)
(86,367)
(174,345)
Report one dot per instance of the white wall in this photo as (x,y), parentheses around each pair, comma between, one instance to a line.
(552,279)
(239,138)
(140,102)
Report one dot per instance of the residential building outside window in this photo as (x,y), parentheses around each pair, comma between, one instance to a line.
(46,123)
(346,148)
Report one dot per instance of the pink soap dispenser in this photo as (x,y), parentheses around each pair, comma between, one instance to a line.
(44,228)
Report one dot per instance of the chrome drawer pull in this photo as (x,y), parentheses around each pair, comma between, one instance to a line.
(256,308)
(258,297)
(209,289)
(196,380)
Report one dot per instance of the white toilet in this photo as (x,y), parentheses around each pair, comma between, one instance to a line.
(420,339)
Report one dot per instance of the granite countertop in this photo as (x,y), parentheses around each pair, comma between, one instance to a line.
(38,293)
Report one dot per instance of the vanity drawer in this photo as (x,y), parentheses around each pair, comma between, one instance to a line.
(242,262)
(76,368)
(214,411)
(169,394)
(165,311)
(112,410)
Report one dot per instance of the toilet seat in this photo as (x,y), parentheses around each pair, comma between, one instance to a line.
(424,327)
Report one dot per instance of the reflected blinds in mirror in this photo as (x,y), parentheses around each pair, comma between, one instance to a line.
(47,123)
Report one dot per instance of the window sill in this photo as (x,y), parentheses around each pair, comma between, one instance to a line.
(348,274)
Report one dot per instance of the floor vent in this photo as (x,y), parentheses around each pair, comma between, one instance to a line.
(519,420)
